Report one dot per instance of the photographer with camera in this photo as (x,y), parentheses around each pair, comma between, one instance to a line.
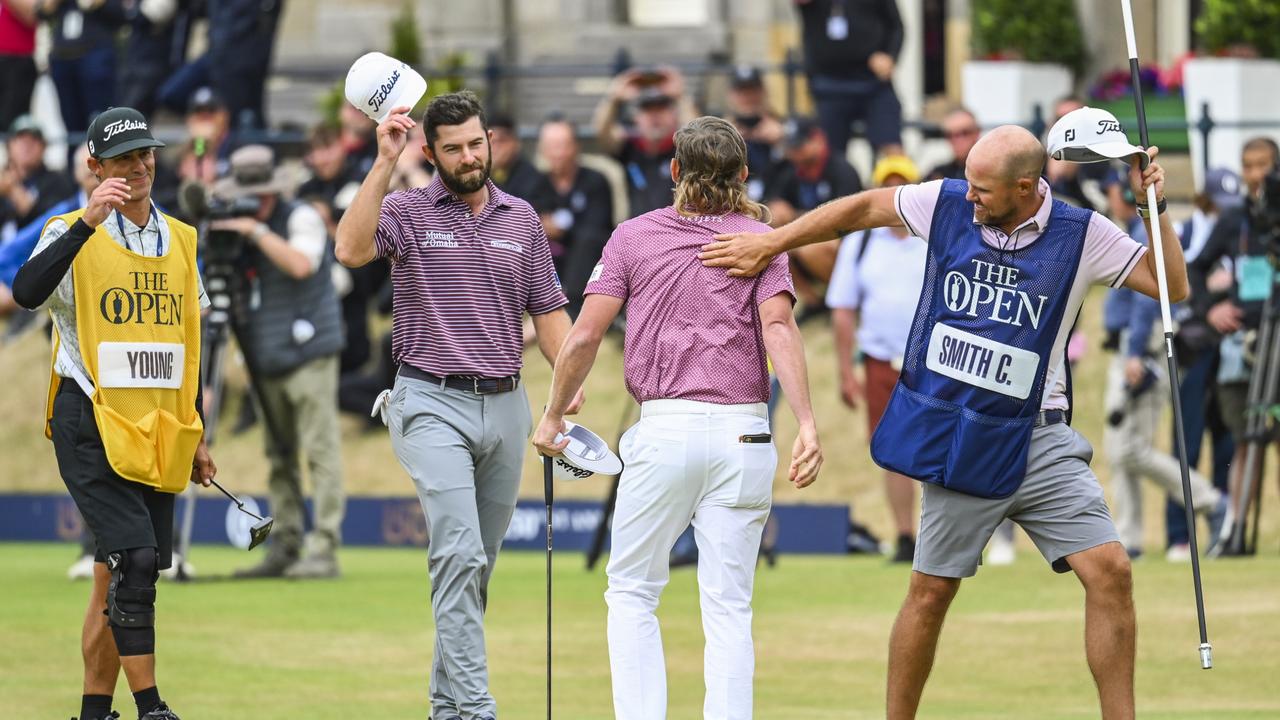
(291,334)
(1245,238)
(644,141)
(748,109)
(1137,392)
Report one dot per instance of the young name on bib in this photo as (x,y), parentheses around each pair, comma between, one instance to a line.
(140,365)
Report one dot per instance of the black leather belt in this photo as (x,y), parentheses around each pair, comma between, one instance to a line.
(479,386)
(1050,417)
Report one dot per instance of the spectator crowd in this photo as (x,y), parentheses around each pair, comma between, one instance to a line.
(133,52)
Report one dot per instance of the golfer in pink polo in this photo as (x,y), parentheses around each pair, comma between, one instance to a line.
(702,453)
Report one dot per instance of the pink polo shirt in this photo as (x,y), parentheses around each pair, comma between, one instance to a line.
(693,332)
(1109,256)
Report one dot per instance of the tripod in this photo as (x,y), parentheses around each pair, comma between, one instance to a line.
(220,325)
(1240,534)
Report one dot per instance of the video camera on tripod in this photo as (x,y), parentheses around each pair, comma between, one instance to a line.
(222,253)
(1263,407)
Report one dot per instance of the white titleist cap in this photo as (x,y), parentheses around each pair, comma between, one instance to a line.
(586,455)
(377,84)
(1089,135)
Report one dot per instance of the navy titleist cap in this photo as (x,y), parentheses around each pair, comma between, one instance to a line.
(119,130)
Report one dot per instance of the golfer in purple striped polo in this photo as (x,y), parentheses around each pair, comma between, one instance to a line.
(696,345)
(467,262)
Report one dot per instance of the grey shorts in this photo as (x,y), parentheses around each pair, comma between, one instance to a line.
(1060,505)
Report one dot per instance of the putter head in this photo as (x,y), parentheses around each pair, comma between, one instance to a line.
(259,532)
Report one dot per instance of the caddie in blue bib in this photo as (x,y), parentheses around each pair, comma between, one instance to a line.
(979,352)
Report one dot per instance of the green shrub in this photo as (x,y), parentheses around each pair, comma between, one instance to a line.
(1227,24)
(1032,30)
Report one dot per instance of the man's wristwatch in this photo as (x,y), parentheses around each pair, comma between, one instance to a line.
(1145,210)
(261,231)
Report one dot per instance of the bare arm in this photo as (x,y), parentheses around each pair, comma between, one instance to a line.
(291,261)
(785,348)
(551,328)
(355,246)
(609,132)
(747,254)
(21,198)
(577,355)
(1143,278)
(844,326)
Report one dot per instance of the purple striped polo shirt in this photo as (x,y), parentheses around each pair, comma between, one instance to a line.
(463,282)
(693,332)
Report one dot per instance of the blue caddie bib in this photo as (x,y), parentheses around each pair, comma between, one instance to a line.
(981,345)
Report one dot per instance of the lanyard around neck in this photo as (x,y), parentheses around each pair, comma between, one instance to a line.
(143,229)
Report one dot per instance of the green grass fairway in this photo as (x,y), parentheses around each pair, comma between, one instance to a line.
(359,647)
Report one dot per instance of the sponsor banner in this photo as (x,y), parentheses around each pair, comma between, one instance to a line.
(399,521)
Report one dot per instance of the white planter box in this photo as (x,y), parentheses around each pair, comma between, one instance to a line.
(1237,90)
(1005,92)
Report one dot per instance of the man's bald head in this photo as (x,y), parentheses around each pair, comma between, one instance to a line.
(1004,171)
(1011,153)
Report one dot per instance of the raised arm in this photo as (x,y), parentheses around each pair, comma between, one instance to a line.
(355,245)
(1144,278)
(609,132)
(747,254)
(41,274)
(786,349)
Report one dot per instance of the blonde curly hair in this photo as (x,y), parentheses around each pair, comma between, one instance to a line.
(712,155)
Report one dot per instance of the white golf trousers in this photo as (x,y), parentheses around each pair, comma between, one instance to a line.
(685,462)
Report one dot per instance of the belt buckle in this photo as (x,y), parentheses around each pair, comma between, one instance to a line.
(475,386)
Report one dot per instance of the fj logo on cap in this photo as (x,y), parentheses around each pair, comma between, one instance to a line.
(120,126)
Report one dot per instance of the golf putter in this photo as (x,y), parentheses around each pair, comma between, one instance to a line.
(260,530)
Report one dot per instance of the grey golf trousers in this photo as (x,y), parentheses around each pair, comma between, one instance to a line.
(464,453)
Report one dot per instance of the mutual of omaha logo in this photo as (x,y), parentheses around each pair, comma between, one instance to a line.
(383,91)
(148,302)
(982,362)
(991,291)
(141,365)
(120,126)
(434,238)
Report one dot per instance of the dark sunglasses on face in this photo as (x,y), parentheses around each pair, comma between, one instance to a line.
(965,132)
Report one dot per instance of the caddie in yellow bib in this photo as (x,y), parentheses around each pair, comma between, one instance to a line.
(138,323)
(120,283)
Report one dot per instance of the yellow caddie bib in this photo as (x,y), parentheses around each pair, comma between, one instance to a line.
(138,322)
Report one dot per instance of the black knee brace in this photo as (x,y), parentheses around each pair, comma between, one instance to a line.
(131,600)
